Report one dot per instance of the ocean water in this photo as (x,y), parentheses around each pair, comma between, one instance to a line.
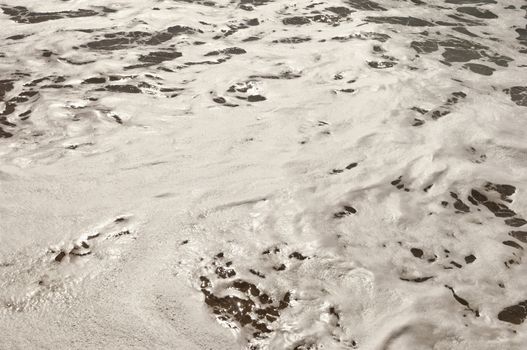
(258,174)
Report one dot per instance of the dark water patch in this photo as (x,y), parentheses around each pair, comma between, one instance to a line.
(519,235)
(181,30)
(456,264)
(381,64)
(515,222)
(427,46)
(256,98)
(117,119)
(283,75)
(255,2)
(365,5)
(156,57)
(218,61)
(280,267)
(518,95)
(460,55)
(462,301)
(476,12)
(398,183)
(514,314)
(465,2)
(121,77)
(416,252)
(252,310)
(253,22)
(75,63)
(227,51)
(479,68)
(4,134)
(297,255)
(469,259)
(417,279)
(348,167)
(512,244)
(5,87)
(57,86)
(224,272)
(347,210)
(498,209)
(418,122)
(21,14)
(465,31)
(94,80)
(257,273)
(446,24)
(363,36)
(504,190)
(404,21)
(60,256)
(420,110)
(466,21)
(18,37)
(458,204)
(234,28)
(293,40)
(478,196)
(223,101)
(124,40)
(445,108)
(499,60)
(207,3)
(303,20)
(522,36)
(251,38)
(339,10)
(297,20)
(130,89)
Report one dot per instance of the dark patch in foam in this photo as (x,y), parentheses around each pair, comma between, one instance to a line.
(427,46)
(365,5)
(348,167)
(519,235)
(292,40)
(124,40)
(156,57)
(249,307)
(405,21)
(518,95)
(227,51)
(514,314)
(476,12)
(417,279)
(460,55)
(339,10)
(515,222)
(130,89)
(319,18)
(464,2)
(462,301)
(21,14)
(348,210)
(363,36)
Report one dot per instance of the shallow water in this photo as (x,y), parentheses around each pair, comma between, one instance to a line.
(263,174)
